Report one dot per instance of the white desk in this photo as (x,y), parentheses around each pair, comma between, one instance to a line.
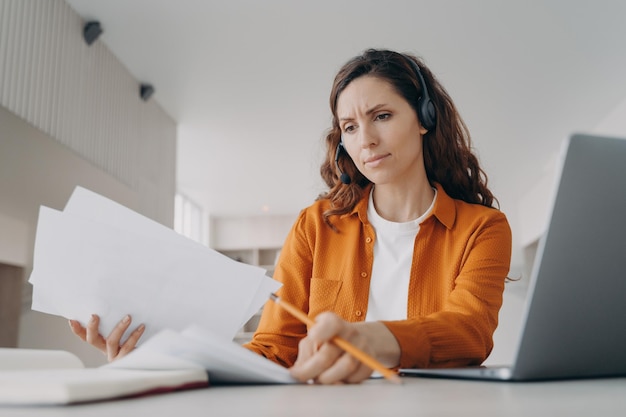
(376,398)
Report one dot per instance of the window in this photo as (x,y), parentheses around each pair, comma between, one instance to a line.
(190,220)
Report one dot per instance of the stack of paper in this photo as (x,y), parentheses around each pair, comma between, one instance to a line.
(225,361)
(99,257)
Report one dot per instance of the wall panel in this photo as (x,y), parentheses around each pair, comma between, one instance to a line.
(85,98)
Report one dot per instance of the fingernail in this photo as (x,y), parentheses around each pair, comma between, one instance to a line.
(126,319)
(92,319)
(141,327)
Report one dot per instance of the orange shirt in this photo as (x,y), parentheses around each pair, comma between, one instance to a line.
(461,258)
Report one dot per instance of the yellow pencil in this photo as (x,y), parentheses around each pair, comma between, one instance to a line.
(366,359)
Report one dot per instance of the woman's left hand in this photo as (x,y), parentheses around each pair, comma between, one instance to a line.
(112,346)
(321,361)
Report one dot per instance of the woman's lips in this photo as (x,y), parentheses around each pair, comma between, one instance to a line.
(375,160)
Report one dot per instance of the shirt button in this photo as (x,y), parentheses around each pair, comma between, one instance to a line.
(358,313)
(368,239)
(363,274)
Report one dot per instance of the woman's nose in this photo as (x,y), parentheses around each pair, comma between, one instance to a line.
(367,136)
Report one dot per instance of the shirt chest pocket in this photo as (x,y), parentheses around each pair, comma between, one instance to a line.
(323,295)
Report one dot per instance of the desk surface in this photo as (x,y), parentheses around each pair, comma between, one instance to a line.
(416,397)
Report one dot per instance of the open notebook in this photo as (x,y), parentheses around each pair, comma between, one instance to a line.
(575,316)
(38,376)
(166,362)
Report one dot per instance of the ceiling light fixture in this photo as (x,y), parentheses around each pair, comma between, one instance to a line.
(145,91)
(92,31)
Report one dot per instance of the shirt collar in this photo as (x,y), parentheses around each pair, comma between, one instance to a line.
(444,209)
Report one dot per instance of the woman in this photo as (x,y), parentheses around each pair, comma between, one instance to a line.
(404,256)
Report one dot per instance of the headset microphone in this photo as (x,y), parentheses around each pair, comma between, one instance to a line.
(343,177)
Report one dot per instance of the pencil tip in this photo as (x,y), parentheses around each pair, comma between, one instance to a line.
(273,297)
(396,380)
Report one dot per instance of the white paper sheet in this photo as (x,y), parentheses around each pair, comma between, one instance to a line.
(226,361)
(100,257)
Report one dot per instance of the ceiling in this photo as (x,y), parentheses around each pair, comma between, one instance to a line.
(248,81)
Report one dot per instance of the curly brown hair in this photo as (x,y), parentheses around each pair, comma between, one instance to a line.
(448,155)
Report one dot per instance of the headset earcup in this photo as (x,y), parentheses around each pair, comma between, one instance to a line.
(426,110)
(427,113)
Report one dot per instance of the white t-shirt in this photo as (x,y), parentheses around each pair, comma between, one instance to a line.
(391,271)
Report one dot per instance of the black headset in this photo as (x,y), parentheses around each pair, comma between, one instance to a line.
(425,107)
(426,113)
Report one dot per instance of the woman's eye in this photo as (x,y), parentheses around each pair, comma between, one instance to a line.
(383,116)
(348,128)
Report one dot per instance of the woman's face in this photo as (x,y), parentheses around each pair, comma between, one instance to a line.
(380,131)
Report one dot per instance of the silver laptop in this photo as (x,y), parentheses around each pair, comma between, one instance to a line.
(574,323)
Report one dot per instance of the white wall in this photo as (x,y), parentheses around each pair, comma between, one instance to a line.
(249,232)
(14,238)
(614,124)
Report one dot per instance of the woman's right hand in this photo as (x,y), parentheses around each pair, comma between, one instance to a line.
(112,346)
